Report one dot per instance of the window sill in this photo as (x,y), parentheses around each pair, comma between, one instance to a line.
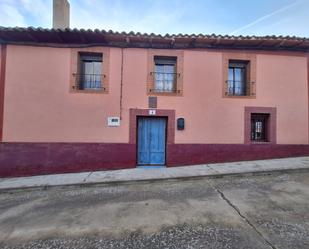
(92,91)
(261,142)
(164,94)
(158,93)
(239,96)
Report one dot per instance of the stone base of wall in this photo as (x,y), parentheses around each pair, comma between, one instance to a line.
(25,159)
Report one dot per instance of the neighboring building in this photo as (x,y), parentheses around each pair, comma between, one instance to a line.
(79,100)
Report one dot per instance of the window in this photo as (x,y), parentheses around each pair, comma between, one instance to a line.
(165,70)
(165,74)
(259,127)
(90,77)
(237,78)
(239,75)
(89,70)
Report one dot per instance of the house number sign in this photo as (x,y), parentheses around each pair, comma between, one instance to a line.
(152,112)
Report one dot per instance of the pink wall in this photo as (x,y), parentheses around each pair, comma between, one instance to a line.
(40,108)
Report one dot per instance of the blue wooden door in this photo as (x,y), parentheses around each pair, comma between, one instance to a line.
(151,141)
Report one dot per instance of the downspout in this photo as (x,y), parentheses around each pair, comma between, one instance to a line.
(121,85)
(2,83)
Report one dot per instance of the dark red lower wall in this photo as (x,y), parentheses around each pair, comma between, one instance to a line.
(25,159)
(186,154)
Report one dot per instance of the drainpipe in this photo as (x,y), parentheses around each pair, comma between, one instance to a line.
(121,84)
(2,83)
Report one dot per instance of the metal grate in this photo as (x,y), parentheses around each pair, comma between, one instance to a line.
(165,82)
(259,126)
(237,88)
(88,81)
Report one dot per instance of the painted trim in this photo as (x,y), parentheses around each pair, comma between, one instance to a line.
(25,159)
(2,86)
(170,114)
(190,154)
(272,125)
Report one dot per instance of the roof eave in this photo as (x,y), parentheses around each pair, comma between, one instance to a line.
(86,38)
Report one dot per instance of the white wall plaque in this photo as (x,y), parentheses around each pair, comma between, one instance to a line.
(152,112)
(113,121)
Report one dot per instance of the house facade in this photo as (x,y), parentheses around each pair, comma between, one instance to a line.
(80,100)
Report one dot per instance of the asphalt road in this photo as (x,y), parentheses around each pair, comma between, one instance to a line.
(268,212)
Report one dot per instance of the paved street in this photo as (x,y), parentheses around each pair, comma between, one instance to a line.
(234,212)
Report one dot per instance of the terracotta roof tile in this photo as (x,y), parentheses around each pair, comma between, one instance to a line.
(67,37)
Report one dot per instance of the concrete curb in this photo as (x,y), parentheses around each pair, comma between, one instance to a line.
(127,176)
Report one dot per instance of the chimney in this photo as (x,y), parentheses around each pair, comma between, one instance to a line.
(61,14)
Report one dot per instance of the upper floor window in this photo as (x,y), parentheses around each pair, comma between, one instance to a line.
(165,70)
(89,70)
(239,75)
(165,74)
(237,78)
(259,127)
(90,76)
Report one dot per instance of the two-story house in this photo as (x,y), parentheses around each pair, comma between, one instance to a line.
(77,100)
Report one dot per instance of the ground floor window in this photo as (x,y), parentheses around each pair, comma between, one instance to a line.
(259,124)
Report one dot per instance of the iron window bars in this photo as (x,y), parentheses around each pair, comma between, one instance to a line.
(165,82)
(259,127)
(90,76)
(88,81)
(237,83)
(165,75)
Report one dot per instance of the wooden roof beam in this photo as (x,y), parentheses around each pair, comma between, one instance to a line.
(298,44)
(261,44)
(32,37)
(280,44)
(59,38)
(217,41)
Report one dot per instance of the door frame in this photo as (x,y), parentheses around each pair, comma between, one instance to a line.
(170,127)
(165,146)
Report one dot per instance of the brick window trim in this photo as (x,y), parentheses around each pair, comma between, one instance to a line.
(179,54)
(251,71)
(271,126)
(75,64)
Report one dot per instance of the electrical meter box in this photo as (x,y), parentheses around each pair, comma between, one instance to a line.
(113,121)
